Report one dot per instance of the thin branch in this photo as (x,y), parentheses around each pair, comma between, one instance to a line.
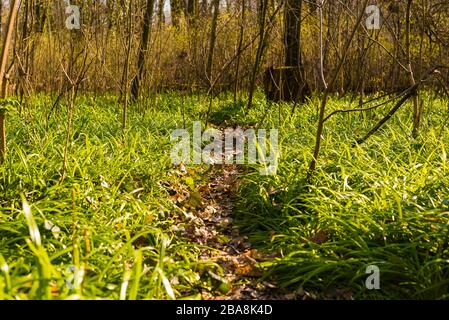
(368,108)
(411,91)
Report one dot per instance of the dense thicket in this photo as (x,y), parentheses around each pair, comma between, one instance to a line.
(179,44)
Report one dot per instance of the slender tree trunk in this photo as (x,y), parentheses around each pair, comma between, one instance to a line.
(126,69)
(146,33)
(1,19)
(40,11)
(263,7)
(24,49)
(192,30)
(210,58)
(416,106)
(160,12)
(328,89)
(175,12)
(192,10)
(213,36)
(294,85)
(203,7)
(4,60)
(239,50)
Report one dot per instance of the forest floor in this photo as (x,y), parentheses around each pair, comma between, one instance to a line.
(213,227)
(118,220)
(232,251)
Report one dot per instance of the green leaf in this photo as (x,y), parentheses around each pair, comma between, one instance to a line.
(190,182)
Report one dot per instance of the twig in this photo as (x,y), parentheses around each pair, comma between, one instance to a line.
(368,108)
(410,92)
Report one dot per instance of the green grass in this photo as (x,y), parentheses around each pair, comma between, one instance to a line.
(383,203)
(109,229)
(110,219)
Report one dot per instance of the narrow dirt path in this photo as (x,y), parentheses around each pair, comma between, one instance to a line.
(233,252)
(210,207)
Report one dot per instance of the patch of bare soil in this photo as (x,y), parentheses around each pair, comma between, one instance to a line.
(210,214)
(233,252)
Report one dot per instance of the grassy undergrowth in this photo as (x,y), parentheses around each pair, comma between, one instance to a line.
(110,229)
(383,203)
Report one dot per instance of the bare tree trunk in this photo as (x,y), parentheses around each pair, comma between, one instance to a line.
(210,58)
(239,50)
(203,7)
(263,7)
(191,10)
(4,60)
(146,33)
(25,50)
(1,19)
(175,12)
(328,89)
(160,12)
(192,30)
(76,69)
(213,36)
(294,86)
(416,106)
(126,69)
(40,11)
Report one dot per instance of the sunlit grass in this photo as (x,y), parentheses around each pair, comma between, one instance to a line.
(106,229)
(109,228)
(383,203)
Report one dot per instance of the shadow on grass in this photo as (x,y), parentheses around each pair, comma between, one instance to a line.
(228,115)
